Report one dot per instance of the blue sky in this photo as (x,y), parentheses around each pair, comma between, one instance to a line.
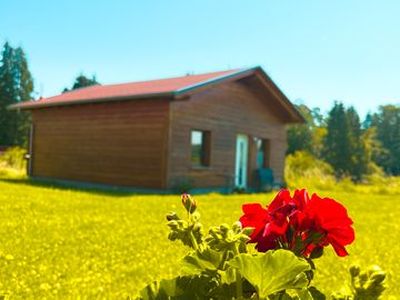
(316,51)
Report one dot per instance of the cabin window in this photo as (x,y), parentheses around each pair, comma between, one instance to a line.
(201,144)
(263,153)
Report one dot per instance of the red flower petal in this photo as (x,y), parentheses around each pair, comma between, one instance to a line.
(255,216)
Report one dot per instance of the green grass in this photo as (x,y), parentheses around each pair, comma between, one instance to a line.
(66,244)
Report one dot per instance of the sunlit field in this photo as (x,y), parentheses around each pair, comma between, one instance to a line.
(64,243)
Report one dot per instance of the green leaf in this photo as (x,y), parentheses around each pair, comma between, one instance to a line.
(305,294)
(162,290)
(282,296)
(201,261)
(228,276)
(272,271)
(316,294)
(180,288)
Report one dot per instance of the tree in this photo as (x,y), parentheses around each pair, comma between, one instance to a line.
(337,144)
(349,147)
(359,159)
(7,94)
(82,81)
(24,93)
(16,85)
(309,136)
(387,124)
(372,149)
(368,121)
(299,136)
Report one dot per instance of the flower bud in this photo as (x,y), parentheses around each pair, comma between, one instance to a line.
(354,270)
(378,277)
(189,203)
(213,230)
(172,216)
(173,224)
(244,238)
(248,230)
(195,216)
(173,236)
(237,227)
(376,274)
(197,227)
(224,228)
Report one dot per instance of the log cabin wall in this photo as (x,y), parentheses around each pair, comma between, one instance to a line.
(117,143)
(225,110)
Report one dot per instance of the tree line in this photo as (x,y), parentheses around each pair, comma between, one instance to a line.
(16,85)
(352,147)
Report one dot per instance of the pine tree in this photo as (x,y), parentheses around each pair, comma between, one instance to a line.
(387,123)
(24,93)
(7,95)
(16,85)
(337,142)
(348,147)
(358,157)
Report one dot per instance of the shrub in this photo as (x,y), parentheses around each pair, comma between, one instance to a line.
(13,163)
(13,158)
(304,170)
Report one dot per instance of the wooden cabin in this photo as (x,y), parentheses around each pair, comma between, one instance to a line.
(210,131)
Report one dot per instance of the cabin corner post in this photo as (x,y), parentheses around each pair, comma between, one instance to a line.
(167,155)
(30,151)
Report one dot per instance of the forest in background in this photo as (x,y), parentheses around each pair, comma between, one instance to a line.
(347,146)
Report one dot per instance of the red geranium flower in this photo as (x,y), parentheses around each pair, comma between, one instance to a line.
(330,219)
(255,216)
(299,223)
(279,212)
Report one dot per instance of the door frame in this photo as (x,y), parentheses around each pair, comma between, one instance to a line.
(241,160)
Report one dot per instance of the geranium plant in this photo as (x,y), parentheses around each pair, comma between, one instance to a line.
(288,235)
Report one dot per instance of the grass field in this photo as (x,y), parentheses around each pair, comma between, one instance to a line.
(70,244)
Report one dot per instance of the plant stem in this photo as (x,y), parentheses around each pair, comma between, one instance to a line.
(239,287)
(193,240)
(192,237)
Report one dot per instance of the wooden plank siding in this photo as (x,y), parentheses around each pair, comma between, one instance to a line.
(225,110)
(118,143)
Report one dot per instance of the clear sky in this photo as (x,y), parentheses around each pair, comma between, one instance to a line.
(316,51)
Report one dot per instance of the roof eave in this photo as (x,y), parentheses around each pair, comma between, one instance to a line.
(36,104)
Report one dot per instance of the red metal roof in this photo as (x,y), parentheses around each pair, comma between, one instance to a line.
(174,88)
(126,90)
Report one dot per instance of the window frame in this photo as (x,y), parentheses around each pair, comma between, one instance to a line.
(205,154)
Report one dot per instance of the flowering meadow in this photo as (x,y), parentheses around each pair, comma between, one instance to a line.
(63,243)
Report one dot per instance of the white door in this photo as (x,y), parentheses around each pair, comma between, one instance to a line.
(242,149)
